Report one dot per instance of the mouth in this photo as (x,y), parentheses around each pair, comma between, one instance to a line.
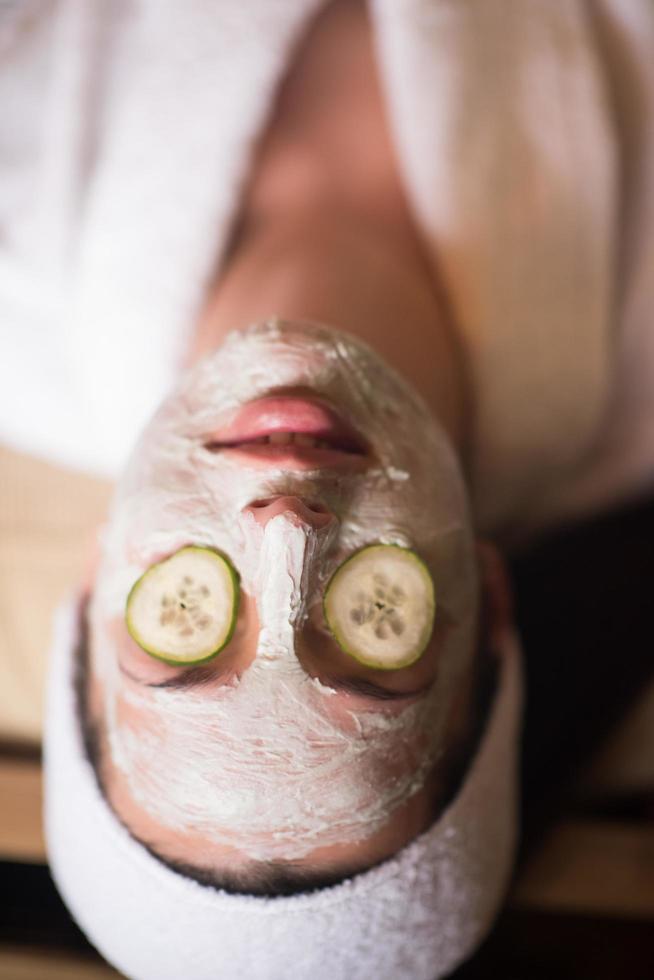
(291,431)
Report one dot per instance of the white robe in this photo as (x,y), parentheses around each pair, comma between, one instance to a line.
(525,137)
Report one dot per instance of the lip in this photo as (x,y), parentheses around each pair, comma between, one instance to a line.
(309,419)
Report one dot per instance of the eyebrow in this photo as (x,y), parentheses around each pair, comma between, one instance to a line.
(194,678)
(357,685)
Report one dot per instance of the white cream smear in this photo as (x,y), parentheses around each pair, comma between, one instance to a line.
(273,764)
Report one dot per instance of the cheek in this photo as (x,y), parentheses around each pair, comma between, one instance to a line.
(379,746)
(322,658)
(134,660)
(134,718)
(146,746)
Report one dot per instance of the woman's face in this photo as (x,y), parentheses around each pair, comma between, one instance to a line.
(283,746)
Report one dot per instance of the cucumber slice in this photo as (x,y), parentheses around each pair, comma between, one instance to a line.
(183,610)
(380,606)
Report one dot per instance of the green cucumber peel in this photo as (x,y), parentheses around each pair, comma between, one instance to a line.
(393,614)
(230,578)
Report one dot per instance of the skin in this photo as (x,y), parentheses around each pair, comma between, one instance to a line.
(325,233)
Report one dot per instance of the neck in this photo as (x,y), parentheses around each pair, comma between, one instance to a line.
(355,273)
(325,232)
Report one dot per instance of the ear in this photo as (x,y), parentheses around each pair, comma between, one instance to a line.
(497,595)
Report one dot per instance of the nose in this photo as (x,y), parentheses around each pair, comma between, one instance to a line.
(312,514)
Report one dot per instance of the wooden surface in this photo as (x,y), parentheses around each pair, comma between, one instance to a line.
(48,521)
(21,832)
(592,867)
(20,963)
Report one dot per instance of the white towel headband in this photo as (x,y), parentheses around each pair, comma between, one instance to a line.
(415,917)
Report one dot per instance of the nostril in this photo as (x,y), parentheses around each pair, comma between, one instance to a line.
(317,508)
(258,504)
(311,512)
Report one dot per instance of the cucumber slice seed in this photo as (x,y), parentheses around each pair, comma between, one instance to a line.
(183,610)
(379,605)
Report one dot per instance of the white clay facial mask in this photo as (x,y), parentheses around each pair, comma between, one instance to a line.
(246,763)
